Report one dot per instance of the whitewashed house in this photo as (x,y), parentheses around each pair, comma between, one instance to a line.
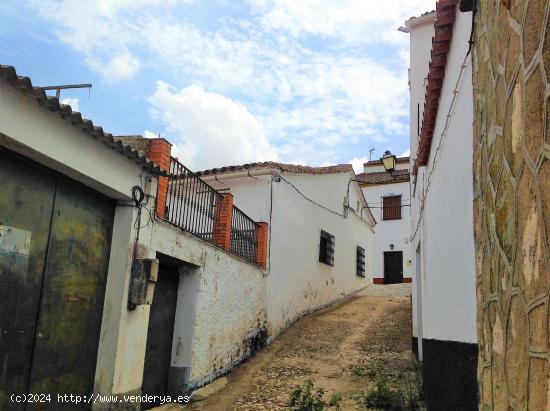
(387,193)
(112,281)
(444,296)
(320,237)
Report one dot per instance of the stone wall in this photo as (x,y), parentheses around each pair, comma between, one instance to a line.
(512,202)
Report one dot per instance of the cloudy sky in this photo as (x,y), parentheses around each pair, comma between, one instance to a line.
(312,82)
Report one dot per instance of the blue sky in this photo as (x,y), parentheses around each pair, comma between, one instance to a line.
(312,82)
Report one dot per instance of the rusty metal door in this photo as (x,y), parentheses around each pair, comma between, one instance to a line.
(159,335)
(54,247)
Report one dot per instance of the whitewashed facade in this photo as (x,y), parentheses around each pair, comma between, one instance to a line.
(220,314)
(442,243)
(391,235)
(298,202)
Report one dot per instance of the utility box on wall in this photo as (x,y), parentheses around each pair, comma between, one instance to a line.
(142,282)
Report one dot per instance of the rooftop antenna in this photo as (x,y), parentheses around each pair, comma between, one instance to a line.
(60,87)
(370,153)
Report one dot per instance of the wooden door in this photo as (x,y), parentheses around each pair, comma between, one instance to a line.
(54,251)
(160,331)
(393,267)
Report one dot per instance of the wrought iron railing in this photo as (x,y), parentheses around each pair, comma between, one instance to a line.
(244,238)
(192,205)
(190,202)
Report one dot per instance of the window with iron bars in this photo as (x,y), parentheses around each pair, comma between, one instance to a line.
(391,209)
(360,258)
(326,248)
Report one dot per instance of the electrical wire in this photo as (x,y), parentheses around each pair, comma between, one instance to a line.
(309,199)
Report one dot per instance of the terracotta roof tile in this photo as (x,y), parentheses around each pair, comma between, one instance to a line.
(446,14)
(51,103)
(383,177)
(291,168)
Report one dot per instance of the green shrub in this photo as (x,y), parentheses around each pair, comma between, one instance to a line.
(305,399)
(403,397)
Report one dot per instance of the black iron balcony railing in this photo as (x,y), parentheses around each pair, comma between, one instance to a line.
(244,236)
(196,207)
(190,202)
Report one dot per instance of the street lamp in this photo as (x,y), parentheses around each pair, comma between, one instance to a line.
(388,161)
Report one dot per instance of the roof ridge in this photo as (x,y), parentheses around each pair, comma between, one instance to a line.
(291,168)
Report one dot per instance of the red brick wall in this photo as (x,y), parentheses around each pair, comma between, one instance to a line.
(159,152)
(222,221)
(262,232)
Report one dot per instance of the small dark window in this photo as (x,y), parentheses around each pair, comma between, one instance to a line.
(326,248)
(391,208)
(360,261)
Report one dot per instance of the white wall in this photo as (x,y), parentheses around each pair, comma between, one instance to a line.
(221,300)
(220,309)
(396,232)
(297,282)
(420,48)
(221,304)
(446,229)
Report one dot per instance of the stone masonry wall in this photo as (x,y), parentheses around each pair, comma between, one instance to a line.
(512,202)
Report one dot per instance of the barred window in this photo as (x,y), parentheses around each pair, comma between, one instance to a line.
(391,208)
(360,261)
(326,248)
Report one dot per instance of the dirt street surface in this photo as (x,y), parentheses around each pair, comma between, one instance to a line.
(342,349)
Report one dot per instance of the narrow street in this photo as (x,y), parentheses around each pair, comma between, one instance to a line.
(343,349)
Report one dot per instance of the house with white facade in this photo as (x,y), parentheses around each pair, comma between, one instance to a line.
(121,272)
(387,194)
(320,237)
(442,242)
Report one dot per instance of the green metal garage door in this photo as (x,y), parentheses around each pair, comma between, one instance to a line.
(54,251)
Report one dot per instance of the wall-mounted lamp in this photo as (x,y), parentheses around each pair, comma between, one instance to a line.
(388,161)
(392,246)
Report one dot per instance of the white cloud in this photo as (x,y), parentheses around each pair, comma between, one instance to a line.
(357,163)
(103,30)
(210,130)
(303,68)
(121,66)
(71,101)
(406,153)
(357,21)
(150,134)
(297,93)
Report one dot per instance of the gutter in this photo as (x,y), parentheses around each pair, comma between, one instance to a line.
(240,174)
(416,21)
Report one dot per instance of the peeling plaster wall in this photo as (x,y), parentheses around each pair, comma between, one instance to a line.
(512,202)
(220,316)
(221,305)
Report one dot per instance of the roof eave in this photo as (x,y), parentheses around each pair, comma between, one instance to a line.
(66,113)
